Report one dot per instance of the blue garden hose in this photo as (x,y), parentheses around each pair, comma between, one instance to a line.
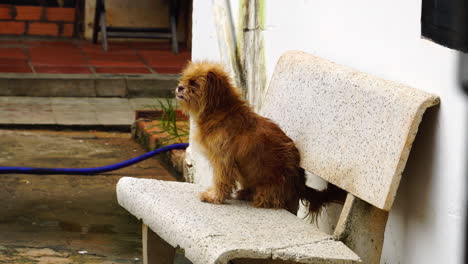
(88,171)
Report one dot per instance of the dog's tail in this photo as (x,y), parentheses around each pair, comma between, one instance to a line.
(317,199)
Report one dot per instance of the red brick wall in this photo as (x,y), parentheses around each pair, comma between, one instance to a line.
(37,21)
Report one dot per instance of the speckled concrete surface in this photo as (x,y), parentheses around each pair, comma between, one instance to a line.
(218,233)
(352,129)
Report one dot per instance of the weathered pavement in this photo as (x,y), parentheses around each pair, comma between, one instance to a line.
(71,111)
(68,219)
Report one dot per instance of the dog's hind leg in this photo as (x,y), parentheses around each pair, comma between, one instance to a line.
(275,196)
(245,194)
(268,196)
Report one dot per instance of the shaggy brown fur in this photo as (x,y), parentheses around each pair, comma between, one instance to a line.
(244,148)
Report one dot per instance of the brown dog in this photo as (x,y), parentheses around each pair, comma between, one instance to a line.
(244,148)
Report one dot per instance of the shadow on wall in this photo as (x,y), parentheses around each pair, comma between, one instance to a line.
(417,183)
(413,200)
(463,80)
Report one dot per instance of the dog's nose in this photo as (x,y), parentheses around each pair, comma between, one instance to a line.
(180,89)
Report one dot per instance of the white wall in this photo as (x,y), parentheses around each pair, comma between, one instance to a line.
(204,39)
(383,38)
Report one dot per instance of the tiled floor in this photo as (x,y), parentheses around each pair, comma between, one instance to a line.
(89,111)
(83,57)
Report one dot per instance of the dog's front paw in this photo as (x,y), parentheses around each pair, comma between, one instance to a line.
(210,196)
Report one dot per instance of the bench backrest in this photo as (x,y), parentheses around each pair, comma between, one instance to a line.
(352,129)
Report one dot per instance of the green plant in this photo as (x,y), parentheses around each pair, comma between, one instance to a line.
(168,123)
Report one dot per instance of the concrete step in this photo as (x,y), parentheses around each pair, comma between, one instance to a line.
(88,85)
(71,111)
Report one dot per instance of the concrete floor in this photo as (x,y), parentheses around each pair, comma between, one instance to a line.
(85,111)
(68,219)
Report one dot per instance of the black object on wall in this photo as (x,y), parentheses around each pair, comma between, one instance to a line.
(446,22)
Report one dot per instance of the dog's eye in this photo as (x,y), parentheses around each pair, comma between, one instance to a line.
(193,83)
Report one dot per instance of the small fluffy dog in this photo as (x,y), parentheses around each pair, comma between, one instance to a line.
(244,149)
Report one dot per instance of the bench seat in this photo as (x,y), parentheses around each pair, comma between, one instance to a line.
(219,233)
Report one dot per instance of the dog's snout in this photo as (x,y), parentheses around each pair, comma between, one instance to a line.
(180,89)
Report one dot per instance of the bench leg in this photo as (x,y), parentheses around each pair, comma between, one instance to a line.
(361,227)
(155,249)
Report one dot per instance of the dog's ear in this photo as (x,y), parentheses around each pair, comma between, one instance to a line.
(216,90)
(215,81)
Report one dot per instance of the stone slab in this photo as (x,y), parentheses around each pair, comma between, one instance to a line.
(164,87)
(211,233)
(49,87)
(74,118)
(352,129)
(70,111)
(88,85)
(111,88)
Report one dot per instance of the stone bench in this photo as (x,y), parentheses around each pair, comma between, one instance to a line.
(352,129)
